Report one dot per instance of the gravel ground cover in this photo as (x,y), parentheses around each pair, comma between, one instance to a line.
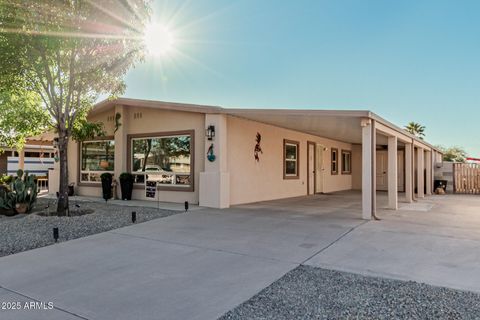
(26,232)
(313,293)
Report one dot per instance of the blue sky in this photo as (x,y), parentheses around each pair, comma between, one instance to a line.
(405,60)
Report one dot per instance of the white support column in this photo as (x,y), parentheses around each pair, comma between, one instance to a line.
(408,172)
(214,190)
(392,174)
(429,168)
(368,168)
(420,173)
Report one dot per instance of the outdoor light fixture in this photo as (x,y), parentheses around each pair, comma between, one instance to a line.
(186,206)
(55,234)
(210,132)
(134,216)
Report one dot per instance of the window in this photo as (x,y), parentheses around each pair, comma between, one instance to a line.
(165,159)
(346,162)
(290,159)
(334,161)
(96,157)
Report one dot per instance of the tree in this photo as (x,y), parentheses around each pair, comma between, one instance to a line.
(69,52)
(21,116)
(453,154)
(416,129)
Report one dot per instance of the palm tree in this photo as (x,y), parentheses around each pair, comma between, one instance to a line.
(416,129)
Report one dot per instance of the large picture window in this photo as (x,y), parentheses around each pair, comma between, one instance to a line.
(290,159)
(165,159)
(96,157)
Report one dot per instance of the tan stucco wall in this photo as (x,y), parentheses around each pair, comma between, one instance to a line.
(357,167)
(151,121)
(252,181)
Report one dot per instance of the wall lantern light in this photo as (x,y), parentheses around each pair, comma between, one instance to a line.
(210,132)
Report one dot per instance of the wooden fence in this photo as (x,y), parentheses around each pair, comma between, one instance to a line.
(466,178)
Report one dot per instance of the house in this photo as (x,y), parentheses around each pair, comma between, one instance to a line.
(219,157)
(36,157)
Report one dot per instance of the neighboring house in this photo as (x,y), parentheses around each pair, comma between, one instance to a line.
(302,152)
(37,157)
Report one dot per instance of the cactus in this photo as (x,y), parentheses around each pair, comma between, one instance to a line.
(23,190)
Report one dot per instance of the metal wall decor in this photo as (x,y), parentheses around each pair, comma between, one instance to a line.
(210,156)
(257,149)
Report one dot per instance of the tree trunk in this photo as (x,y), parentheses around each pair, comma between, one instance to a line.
(62,207)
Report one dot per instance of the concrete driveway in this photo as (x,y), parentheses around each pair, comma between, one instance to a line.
(201,264)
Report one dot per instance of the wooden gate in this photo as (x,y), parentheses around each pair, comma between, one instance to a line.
(466,178)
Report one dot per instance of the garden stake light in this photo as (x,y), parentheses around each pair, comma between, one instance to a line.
(134,216)
(186,206)
(55,234)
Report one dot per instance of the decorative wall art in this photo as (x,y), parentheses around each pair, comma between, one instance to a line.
(210,156)
(257,149)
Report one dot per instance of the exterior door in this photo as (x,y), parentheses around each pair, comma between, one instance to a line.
(382,170)
(320,170)
(311,168)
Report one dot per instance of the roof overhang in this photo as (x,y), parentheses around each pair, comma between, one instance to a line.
(341,125)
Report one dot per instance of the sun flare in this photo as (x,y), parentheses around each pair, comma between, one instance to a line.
(159,39)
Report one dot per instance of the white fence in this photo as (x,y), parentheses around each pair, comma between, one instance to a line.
(36,166)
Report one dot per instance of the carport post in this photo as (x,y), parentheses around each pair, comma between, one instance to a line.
(368,168)
(428,167)
(392,173)
(420,173)
(408,172)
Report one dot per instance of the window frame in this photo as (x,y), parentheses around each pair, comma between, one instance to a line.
(297,160)
(334,162)
(349,153)
(165,187)
(81,182)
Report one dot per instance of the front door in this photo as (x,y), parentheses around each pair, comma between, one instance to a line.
(311,168)
(382,170)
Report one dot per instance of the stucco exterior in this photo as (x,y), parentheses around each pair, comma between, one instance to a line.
(252,181)
(235,177)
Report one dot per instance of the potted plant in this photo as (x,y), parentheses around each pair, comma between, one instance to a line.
(107,180)
(126,185)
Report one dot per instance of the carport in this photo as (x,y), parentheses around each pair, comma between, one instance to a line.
(368,133)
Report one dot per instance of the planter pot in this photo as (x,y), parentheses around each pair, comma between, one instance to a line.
(107,188)
(21,207)
(126,188)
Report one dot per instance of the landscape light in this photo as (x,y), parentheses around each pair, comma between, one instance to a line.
(134,216)
(55,234)
(186,206)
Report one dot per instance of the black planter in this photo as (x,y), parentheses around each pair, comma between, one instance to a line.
(126,186)
(107,187)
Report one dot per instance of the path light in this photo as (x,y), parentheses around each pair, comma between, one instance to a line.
(55,234)
(186,206)
(134,216)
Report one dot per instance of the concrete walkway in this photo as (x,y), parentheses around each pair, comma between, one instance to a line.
(201,264)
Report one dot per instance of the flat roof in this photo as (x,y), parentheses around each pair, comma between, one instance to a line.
(340,125)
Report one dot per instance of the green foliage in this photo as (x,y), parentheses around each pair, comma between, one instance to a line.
(21,116)
(453,154)
(416,129)
(84,130)
(68,53)
(126,176)
(5,179)
(23,190)
(106,176)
